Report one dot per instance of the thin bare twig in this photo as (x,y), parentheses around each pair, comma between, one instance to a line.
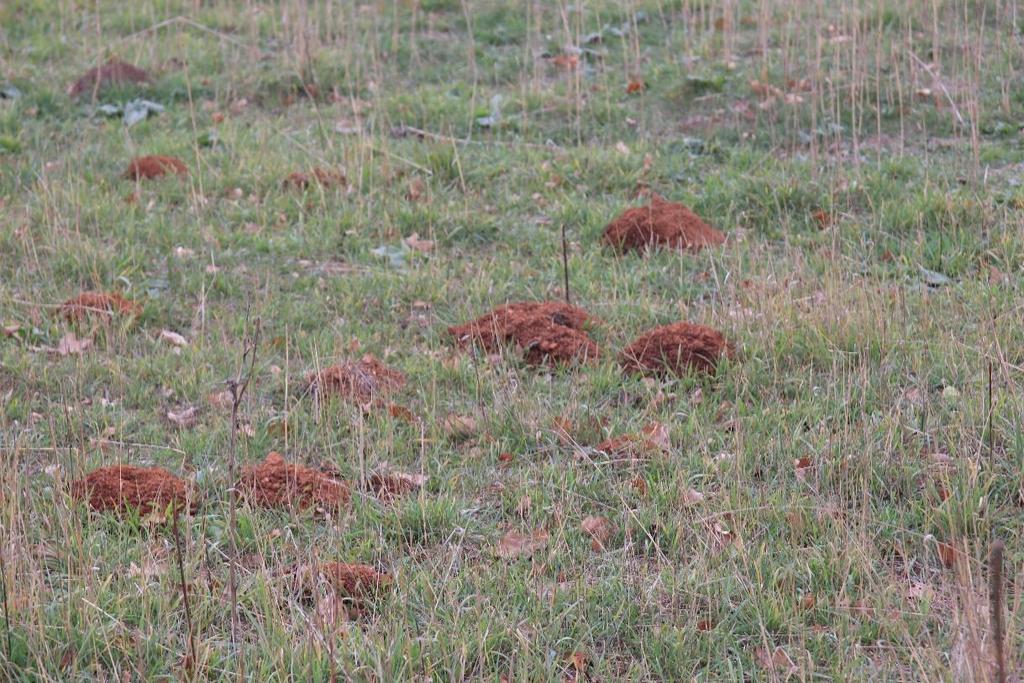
(995,589)
(237,386)
(942,86)
(565,264)
(7,612)
(190,661)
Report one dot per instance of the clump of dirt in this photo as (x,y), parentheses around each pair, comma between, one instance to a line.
(98,304)
(275,483)
(360,381)
(547,332)
(120,487)
(154,166)
(354,580)
(676,349)
(114,72)
(321,176)
(661,224)
(351,586)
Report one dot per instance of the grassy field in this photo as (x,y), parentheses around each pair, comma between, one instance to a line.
(826,503)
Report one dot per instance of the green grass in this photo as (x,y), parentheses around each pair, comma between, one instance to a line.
(846,355)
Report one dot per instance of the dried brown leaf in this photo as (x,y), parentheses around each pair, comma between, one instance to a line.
(69,344)
(514,544)
(599,529)
(185,417)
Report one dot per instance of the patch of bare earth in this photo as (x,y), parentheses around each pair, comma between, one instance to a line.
(323,177)
(660,224)
(362,381)
(154,166)
(98,305)
(546,332)
(123,487)
(275,483)
(676,349)
(114,72)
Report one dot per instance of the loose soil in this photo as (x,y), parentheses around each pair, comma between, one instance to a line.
(98,304)
(360,381)
(676,349)
(661,224)
(122,487)
(354,580)
(114,72)
(547,332)
(275,483)
(154,166)
(321,176)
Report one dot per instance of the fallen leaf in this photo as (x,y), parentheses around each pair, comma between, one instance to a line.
(579,663)
(562,427)
(186,417)
(808,601)
(692,496)
(389,485)
(505,458)
(151,569)
(568,62)
(777,660)
(460,427)
(220,400)
(11,329)
(948,554)
(70,344)
(402,413)
(635,87)
(934,278)
(802,465)
(417,188)
(415,243)
(657,434)
(173,338)
(514,544)
(639,484)
(599,529)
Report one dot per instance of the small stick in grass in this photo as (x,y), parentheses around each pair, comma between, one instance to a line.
(565,264)
(7,613)
(237,385)
(995,591)
(991,446)
(190,660)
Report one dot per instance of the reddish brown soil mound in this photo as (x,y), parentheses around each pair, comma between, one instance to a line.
(354,580)
(321,176)
(662,224)
(113,72)
(360,381)
(154,166)
(676,348)
(147,489)
(99,304)
(546,331)
(277,484)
